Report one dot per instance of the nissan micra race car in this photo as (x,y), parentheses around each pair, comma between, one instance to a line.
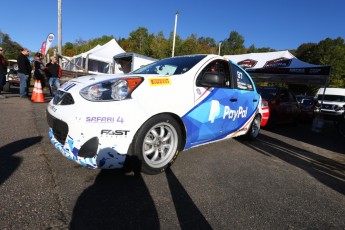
(153,113)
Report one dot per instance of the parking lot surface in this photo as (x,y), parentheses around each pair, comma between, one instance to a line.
(290,178)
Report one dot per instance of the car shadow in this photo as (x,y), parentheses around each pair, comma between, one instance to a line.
(188,214)
(328,171)
(116,200)
(120,199)
(327,137)
(8,161)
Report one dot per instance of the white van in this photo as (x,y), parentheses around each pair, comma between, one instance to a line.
(330,102)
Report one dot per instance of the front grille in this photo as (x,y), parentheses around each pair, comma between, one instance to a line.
(63,98)
(60,128)
(329,106)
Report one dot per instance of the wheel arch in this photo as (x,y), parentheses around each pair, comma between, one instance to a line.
(175,117)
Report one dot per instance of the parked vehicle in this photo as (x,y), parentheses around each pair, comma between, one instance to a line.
(153,113)
(127,62)
(340,123)
(330,103)
(283,105)
(12,78)
(307,106)
(265,113)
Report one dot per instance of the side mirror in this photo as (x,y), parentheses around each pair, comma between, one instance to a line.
(209,79)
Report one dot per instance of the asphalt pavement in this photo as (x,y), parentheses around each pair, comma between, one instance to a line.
(290,178)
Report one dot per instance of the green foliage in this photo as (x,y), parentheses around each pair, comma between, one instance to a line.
(234,44)
(11,48)
(330,52)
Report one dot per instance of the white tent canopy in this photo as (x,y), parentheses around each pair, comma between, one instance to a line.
(97,60)
(106,52)
(281,66)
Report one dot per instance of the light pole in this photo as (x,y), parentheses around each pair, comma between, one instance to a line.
(173,49)
(59,28)
(220,43)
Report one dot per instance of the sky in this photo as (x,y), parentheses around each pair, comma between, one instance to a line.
(280,25)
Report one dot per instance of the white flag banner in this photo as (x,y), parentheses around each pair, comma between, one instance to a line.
(49,41)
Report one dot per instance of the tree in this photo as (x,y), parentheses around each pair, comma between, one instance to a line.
(12,49)
(233,45)
(329,52)
(207,45)
(306,51)
(190,45)
(139,38)
(68,49)
(159,46)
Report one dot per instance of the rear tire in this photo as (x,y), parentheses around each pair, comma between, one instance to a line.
(254,129)
(157,144)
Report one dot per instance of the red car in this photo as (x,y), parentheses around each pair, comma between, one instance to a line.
(283,105)
(265,113)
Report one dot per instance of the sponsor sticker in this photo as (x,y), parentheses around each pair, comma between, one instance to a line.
(109,132)
(227,112)
(248,63)
(104,119)
(53,108)
(276,63)
(159,81)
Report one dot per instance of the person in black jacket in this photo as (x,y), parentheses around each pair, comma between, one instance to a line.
(3,72)
(24,72)
(39,69)
(54,72)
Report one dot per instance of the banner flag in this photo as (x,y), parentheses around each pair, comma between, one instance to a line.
(48,43)
(43,48)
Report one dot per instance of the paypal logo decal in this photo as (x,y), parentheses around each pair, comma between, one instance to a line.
(227,112)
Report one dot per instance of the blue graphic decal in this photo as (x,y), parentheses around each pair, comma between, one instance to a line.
(221,113)
(106,158)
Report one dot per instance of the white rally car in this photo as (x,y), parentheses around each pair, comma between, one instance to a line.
(153,113)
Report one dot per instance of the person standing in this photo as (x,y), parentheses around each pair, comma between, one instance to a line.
(39,69)
(24,72)
(3,72)
(54,73)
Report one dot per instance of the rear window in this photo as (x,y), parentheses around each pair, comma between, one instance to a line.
(268,93)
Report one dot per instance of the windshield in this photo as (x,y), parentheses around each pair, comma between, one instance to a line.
(327,97)
(171,66)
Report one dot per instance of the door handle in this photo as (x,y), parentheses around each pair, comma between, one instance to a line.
(255,100)
(233,99)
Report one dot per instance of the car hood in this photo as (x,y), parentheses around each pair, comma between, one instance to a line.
(93,79)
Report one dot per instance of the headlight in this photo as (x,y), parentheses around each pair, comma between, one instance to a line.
(111,90)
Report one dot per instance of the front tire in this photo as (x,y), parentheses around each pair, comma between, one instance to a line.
(157,144)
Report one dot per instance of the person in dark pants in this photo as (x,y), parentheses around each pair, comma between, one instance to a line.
(24,72)
(39,67)
(3,72)
(54,72)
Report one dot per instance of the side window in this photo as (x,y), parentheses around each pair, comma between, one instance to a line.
(215,74)
(241,78)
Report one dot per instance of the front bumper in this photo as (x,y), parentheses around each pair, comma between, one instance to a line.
(82,149)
